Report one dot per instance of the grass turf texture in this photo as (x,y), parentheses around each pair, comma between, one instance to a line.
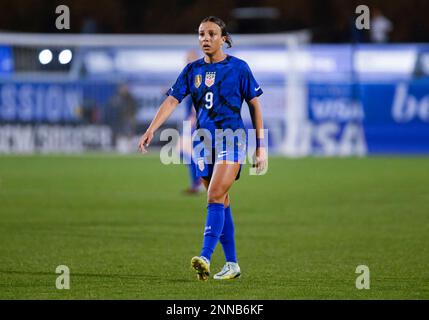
(125,230)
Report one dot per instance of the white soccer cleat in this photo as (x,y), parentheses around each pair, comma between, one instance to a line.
(202,267)
(230,270)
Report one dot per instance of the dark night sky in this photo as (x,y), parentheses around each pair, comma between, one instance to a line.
(328,19)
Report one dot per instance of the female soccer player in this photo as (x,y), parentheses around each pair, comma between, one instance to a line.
(218,85)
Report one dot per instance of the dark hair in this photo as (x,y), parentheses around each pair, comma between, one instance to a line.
(222,27)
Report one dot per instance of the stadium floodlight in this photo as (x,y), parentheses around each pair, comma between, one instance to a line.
(65,56)
(45,56)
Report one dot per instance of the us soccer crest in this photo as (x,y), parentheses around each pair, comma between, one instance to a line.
(210,79)
(197,81)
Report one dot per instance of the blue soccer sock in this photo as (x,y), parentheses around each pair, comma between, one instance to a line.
(195,180)
(192,169)
(227,237)
(213,229)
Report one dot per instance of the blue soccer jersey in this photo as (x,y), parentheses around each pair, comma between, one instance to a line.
(188,108)
(218,91)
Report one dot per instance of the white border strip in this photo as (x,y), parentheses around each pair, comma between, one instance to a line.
(115,40)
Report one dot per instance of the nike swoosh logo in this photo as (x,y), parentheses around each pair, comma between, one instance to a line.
(256,89)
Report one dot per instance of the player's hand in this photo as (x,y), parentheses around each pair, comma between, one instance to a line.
(261,160)
(145,140)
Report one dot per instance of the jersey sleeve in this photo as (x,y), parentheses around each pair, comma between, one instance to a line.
(180,89)
(249,87)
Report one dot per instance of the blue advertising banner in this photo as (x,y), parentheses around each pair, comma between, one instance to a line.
(397,117)
(336,116)
(53,102)
(40,102)
(6,60)
(355,119)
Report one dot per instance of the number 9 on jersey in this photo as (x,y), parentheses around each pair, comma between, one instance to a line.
(209,100)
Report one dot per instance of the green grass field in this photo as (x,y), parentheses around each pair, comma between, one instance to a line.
(125,230)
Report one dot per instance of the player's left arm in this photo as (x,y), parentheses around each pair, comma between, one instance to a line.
(258,124)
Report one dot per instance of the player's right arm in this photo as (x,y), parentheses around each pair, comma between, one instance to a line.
(164,112)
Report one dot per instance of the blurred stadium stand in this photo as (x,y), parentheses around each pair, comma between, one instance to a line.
(328,20)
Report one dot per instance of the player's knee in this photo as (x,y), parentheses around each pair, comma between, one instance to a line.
(216,195)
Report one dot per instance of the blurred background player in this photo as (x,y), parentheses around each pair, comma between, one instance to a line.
(381,27)
(184,145)
(121,117)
